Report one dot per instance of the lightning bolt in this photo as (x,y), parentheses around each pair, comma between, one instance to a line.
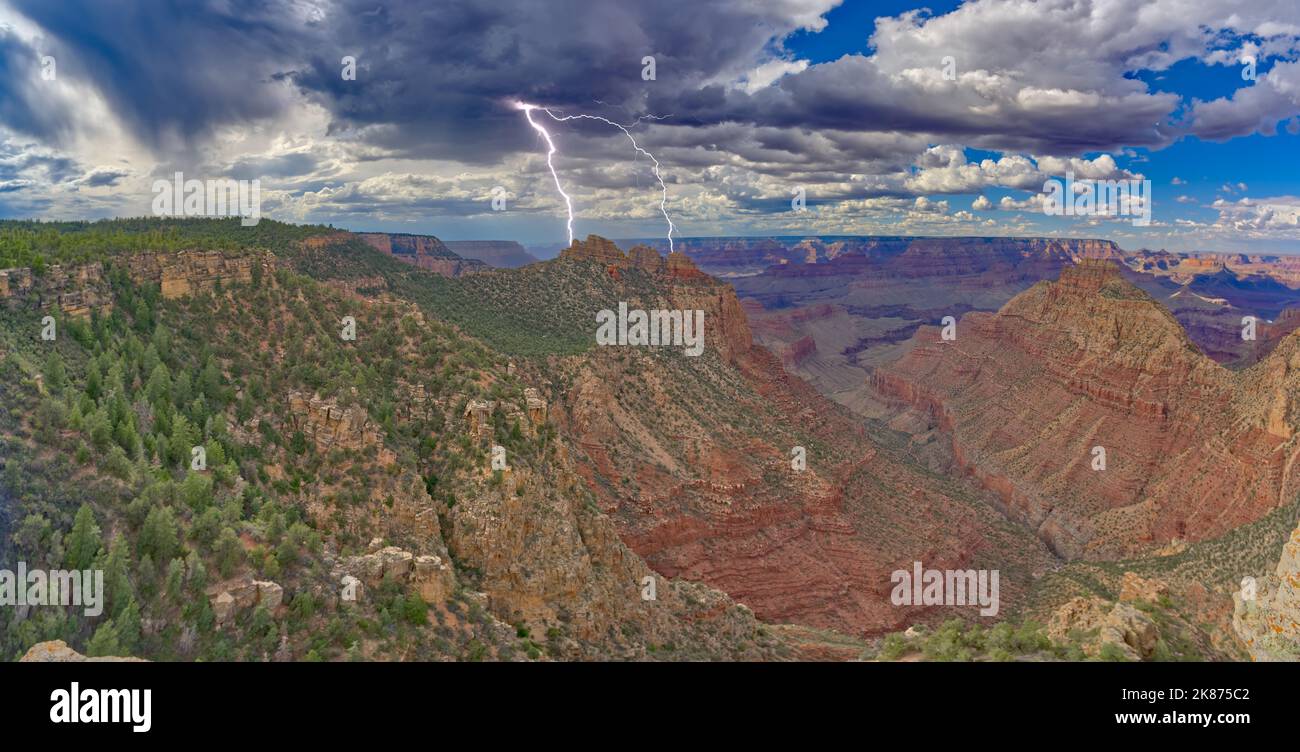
(663,187)
(550,154)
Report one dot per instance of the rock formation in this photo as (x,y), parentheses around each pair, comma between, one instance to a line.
(425,251)
(185,272)
(74,290)
(57,651)
(505,254)
(328,426)
(1100,623)
(429,576)
(1267,616)
(1031,396)
(230,598)
(478,415)
(595,248)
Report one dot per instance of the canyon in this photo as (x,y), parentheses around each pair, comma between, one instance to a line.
(632,463)
(1192,449)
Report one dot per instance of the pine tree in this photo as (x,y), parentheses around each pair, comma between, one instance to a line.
(160,384)
(229,552)
(158,535)
(84,541)
(184,438)
(117,575)
(176,581)
(127,626)
(104,642)
(56,373)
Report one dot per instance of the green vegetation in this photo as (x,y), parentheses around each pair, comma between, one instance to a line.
(956,640)
(34,244)
(98,430)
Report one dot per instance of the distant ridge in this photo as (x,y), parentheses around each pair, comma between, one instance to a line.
(505,254)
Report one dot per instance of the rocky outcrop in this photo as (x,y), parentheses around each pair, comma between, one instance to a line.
(478,419)
(425,251)
(77,291)
(1097,623)
(647,259)
(800,351)
(680,266)
(595,248)
(233,597)
(478,415)
(535,406)
(57,651)
(505,254)
(183,273)
(1266,613)
(328,426)
(429,576)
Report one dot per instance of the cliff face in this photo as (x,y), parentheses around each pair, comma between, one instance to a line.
(187,272)
(505,254)
(1025,395)
(1266,613)
(74,290)
(425,251)
(79,290)
(677,285)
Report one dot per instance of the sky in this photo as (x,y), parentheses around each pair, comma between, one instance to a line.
(886,117)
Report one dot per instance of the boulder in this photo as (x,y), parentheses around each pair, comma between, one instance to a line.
(223,607)
(57,651)
(1133,631)
(270,595)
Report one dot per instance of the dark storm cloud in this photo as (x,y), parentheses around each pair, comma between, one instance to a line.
(25,104)
(175,68)
(444,75)
(16,163)
(435,79)
(100,178)
(852,93)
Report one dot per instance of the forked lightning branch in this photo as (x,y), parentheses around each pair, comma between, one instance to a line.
(550,162)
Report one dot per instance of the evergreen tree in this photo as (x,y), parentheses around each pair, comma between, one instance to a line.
(175,581)
(83,542)
(229,552)
(183,439)
(104,642)
(56,373)
(158,535)
(117,580)
(160,384)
